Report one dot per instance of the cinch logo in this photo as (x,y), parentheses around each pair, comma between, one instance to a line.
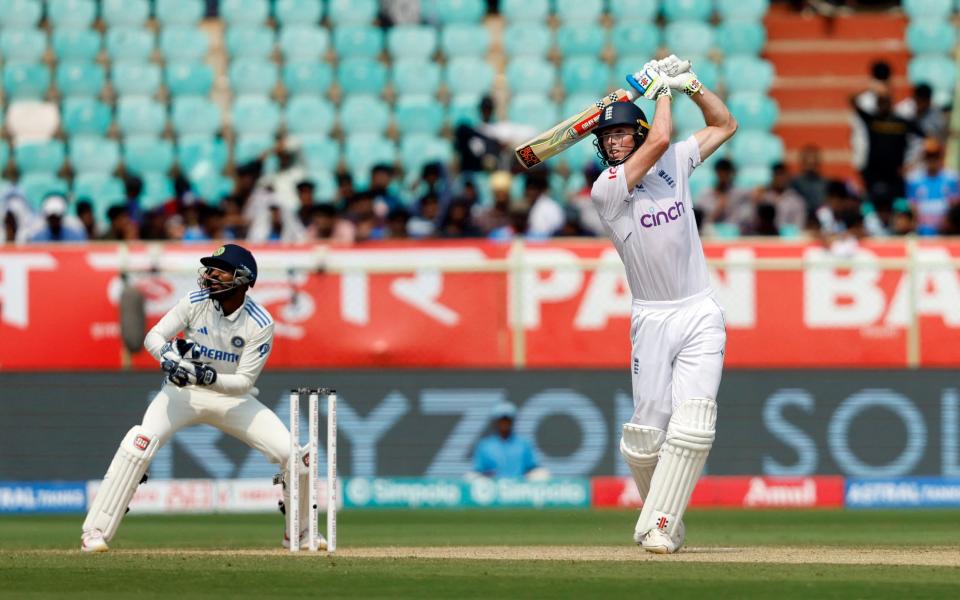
(654,219)
(141,442)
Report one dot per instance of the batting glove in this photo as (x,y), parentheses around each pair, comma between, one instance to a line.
(679,75)
(673,65)
(650,82)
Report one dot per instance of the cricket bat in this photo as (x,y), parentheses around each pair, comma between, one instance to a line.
(569,132)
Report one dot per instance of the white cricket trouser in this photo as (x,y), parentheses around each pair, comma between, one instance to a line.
(243,417)
(677,354)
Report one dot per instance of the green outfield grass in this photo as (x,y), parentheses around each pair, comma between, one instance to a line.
(38,557)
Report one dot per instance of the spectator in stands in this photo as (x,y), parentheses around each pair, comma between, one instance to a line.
(458,221)
(396,226)
(587,215)
(278,225)
(57,225)
(764,220)
(235,205)
(17,216)
(517,227)
(435,180)
(345,189)
(132,190)
(121,227)
(810,183)
(290,172)
(932,190)
(951,225)
(834,214)
(867,101)
(904,221)
(497,213)
(477,147)
(546,215)
(9,232)
(87,219)
(423,224)
(930,119)
(790,211)
(360,222)
(725,203)
(385,198)
(306,196)
(504,453)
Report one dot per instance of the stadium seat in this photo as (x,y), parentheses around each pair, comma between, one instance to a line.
(753,176)
(252,76)
(631,39)
(361,76)
(533,109)
(516,11)
(135,78)
(25,45)
(417,150)
(307,78)
(358,41)
(157,189)
(364,150)
(211,187)
(36,186)
(178,13)
(418,114)
(249,146)
(579,11)
(309,115)
(249,42)
(20,14)
(94,154)
(741,37)
(930,36)
(527,39)
(581,40)
(753,110)
(85,116)
(708,73)
(752,10)
(929,9)
(255,115)
(936,70)
(137,115)
(75,44)
(634,10)
(71,14)
(449,12)
(528,74)
(686,116)
(325,184)
(574,103)
(468,76)
(188,79)
(303,43)
(25,81)
(320,153)
(463,109)
(411,41)
(129,44)
(194,115)
(102,189)
(144,154)
(33,157)
(364,114)
(578,156)
(461,39)
(352,12)
(415,76)
(688,38)
(750,73)
(244,12)
(585,74)
(195,149)
(688,10)
(124,13)
(295,13)
(183,44)
(80,79)
(755,148)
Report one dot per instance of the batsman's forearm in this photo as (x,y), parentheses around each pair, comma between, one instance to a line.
(662,126)
(715,112)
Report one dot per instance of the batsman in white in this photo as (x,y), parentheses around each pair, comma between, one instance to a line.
(677,327)
(210,379)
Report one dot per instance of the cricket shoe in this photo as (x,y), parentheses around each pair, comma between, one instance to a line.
(661,543)
(321,541)
(92,541)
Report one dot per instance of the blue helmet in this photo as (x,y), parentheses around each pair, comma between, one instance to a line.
(232,259)
(620,114)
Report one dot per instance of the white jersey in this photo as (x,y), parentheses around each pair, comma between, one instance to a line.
(653,227)
(236,345)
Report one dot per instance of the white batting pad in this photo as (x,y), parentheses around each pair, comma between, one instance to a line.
(640,447)
(123,476)
(690,436)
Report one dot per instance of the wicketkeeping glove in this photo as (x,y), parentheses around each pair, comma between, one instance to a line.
(650,82)
(177,371)
(204,374)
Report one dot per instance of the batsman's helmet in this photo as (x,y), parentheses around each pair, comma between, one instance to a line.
(233,259)
(620,114)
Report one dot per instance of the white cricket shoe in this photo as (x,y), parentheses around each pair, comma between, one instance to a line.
(321,541)
(92,541)
(679,536)
(658,542)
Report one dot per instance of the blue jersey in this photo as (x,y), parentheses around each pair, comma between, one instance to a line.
(498,457)
(931,196)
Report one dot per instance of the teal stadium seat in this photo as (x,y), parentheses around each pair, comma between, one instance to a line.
(75,44)
(574,103)
(417,150)
(183,44)
(94,154)
(71,14)
(307,78)
(577,39)
(579,11)
(449,12)
(533,109)
(211,187)
(309,115)
(320,153)
(636,38)
(364,114)
(361,76)
(938,71)
(756,149)
(85,116)
(25,45)
(244,12)
(144,154)
(36,186)
(686,116)
(124,13)
(137,115)
(585,74)
(741,37)
(194,115)
(102,189)
(135,78)
(297,12)
(750,73)
(465,75)
(931,36)
(250,146)
(178,13)
(352,12)
(325,184)
(707,72)
(411,41)
(303,43)
(528,74)
(462,39)
(578,156)
(634,10)
(34,157)
(192,150)
(753,176)
(255,115)
(364,150)
(25,81)
(418,115)
(20,14)
(358,41)
(929,9)
(753,110)
(752,10)
(527,39)
(515,11)
(463,109)
(252,76)
(248,41)
(188,78)
(415,76)
(80,79)
(157,189)
(688,38)
(129,44)
(687,10)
